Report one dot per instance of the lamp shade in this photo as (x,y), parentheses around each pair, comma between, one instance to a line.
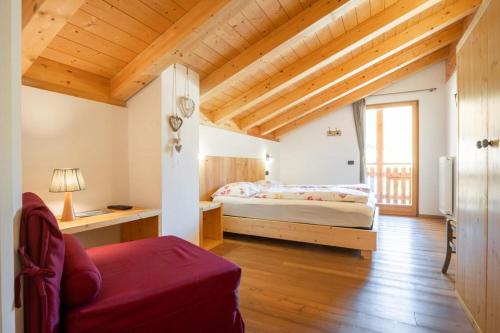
(67,180)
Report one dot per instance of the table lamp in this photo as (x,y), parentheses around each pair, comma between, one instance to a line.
(68,181)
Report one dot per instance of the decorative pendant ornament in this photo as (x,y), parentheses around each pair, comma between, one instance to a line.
(186,104)
(175,122)
(177,144)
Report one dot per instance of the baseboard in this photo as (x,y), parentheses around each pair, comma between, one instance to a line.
(468,313)
(429,216)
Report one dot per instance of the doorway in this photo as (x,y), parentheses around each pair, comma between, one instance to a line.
(392,156)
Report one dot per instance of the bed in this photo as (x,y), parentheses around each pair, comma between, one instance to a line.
(344,224)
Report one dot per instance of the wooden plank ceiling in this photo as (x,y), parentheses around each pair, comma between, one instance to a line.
(266,66)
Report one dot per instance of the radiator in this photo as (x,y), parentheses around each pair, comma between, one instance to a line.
(446,185)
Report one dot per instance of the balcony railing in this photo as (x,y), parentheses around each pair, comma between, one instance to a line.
(394,185)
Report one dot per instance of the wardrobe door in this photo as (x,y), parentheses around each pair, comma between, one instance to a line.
(493,286)
(472,177)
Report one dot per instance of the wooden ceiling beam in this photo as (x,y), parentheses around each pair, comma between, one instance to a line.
(54,76)
(408,55)
(367,90)
(413,34)
(42,20)
(169,46)
(340,46)
(310,19)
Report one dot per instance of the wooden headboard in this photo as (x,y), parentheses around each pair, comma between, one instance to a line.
(216,171)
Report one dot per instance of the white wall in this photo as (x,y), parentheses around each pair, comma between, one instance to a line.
(180,179)
(160,177)
(218,142)
(63,131)
(144,146)
(10,159)
(308,156)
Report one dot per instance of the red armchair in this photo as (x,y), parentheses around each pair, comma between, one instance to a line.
(162,284)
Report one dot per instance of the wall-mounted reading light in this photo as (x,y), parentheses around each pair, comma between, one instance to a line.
(269,160)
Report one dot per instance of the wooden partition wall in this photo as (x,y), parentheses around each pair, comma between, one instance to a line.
(216,171)
(478,230)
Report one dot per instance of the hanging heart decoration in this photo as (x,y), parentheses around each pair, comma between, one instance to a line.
(175,122)
(177,144)
(186,105)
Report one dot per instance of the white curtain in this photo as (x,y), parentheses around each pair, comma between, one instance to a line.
(358,112)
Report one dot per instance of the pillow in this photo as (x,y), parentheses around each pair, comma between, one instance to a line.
(81,280)
(268,183)
(240,189)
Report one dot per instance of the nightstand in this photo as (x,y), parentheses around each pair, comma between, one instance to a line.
(211,229)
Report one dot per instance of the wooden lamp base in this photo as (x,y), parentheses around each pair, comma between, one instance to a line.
(68,213)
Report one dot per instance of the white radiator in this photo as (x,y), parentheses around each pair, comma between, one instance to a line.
(446,185)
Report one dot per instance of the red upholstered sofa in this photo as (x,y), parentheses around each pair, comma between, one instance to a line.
(163,284)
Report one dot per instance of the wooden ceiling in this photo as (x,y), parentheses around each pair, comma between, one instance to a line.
(266,66)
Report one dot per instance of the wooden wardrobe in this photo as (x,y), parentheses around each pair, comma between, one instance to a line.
(478,257)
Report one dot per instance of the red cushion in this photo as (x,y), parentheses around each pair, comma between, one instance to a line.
(81,280)
(41,253)
(162,284)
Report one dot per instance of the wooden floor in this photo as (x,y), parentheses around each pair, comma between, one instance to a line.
(292,287)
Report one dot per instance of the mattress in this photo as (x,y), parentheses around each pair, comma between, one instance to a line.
(330,213)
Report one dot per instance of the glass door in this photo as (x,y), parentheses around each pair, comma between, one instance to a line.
(392,156)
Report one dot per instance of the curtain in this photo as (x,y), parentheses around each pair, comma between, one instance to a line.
(358,112)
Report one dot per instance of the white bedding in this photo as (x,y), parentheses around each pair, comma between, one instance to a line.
(331,213)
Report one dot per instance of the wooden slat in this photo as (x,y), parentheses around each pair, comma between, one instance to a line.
(45,20)
(72,61)
(340,46)
(143,14)
(163,51)
(399,59)
(366,90)
(429,25)
(85,53)
(50,75)
(107,31)
(284,36)
(117,18)
(82,36)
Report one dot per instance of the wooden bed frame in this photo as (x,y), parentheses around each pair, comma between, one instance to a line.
(218,171)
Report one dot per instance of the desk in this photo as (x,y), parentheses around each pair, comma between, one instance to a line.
(211,230)
(135,223)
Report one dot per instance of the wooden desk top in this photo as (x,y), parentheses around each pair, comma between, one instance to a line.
(106,220)
(209,205)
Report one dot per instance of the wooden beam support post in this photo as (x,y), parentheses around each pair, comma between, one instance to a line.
(310,19)
(413,34)
(169,46)
(402,58)
(367,90)
(351,40)
(42,20)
